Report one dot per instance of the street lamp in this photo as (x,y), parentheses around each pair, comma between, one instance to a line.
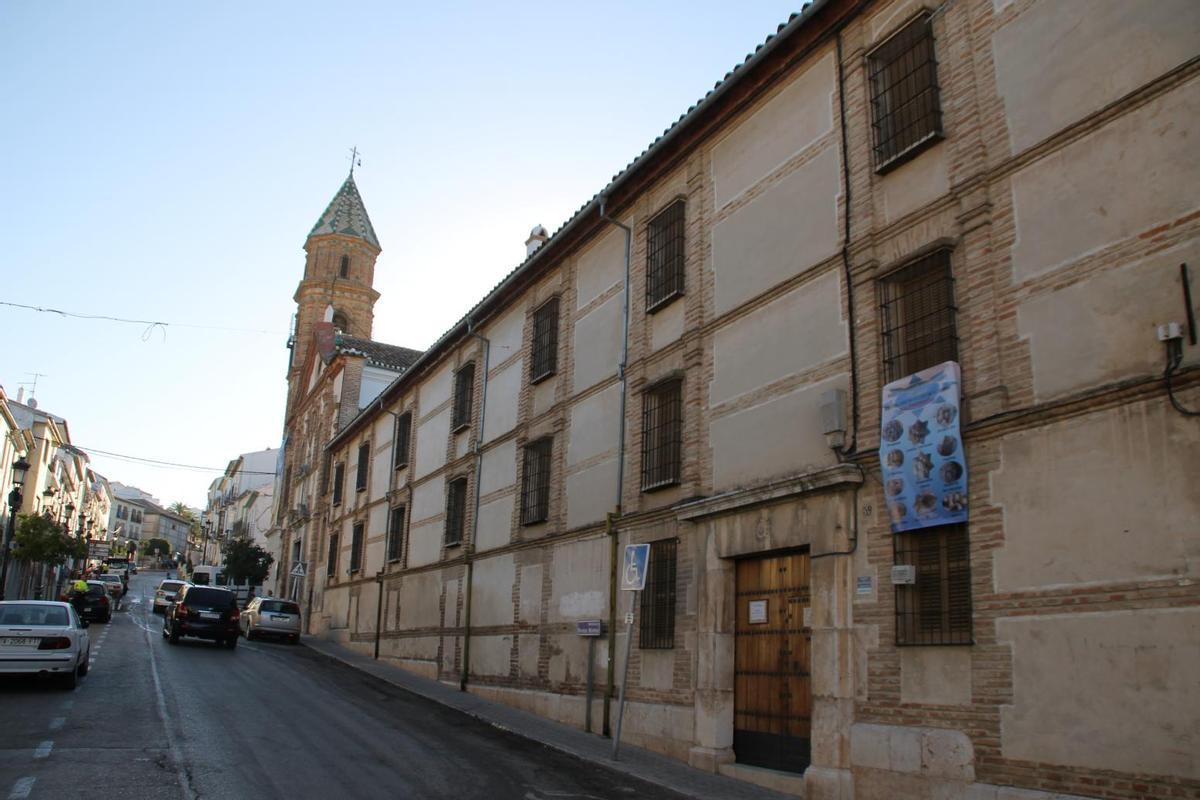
(19,469)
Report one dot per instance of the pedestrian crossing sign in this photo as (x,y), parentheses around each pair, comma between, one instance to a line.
(299,571)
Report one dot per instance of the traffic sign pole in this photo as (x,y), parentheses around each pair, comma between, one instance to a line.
(633,596)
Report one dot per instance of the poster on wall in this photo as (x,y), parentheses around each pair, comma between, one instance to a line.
(920,449)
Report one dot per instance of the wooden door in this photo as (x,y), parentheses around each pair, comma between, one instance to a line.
(772,681)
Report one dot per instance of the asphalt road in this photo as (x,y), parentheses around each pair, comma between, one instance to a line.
(263,721)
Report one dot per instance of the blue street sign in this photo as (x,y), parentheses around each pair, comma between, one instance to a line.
(633,568)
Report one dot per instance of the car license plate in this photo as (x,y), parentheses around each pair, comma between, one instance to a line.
(18,641)
(280,617)
(210,614)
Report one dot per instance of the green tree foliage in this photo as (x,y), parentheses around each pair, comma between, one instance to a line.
(164,547)
(246,562)
(41,541)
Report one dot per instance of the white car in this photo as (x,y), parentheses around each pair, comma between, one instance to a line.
(165,593)
(43,637)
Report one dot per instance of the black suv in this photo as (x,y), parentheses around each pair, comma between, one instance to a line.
(205,612)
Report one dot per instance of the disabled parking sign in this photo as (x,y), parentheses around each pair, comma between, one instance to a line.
(633,567)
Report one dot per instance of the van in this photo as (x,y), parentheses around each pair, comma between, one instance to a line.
(208,575)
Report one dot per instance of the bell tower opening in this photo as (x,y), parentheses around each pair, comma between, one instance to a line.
(344,267)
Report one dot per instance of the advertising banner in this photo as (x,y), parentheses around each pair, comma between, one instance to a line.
(924,468)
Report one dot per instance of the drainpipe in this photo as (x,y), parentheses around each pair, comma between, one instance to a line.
(469,545)
(611,520)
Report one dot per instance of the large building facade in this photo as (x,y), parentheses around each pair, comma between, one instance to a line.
(698,360)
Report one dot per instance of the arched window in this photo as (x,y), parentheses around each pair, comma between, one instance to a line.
(344,269)
(340,322)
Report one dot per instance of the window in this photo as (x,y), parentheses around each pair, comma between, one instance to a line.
(657,631)
(364,461)
(344,267)
(356,547)
(662,434)
(331,562)
(395,534)
(544,360)
(400,443)
(906,110)
(339,483)
(535,485)
(937,608)
(340,322)
(918,316)
(456,510)
(664,256)
(464,390)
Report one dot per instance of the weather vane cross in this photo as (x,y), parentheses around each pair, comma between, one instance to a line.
(354,160)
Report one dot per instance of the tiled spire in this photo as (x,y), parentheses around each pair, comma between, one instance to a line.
(346,215)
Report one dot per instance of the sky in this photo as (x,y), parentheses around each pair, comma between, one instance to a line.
(166,161)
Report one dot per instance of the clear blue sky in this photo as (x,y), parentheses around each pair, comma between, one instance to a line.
(165,161)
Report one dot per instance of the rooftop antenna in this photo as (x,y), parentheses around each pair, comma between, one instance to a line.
(354,160)
(33,384)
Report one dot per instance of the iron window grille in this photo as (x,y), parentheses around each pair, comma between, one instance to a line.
(657,625)
(331,561)
(664,256)
(543,362)
(937,608)
(662,434)
(402,437)
(917,305)
(456,511)
(464,391)
(364,460)
(325,470)
(395,534)
(535,484)
(339,483)
(905,103)
(356,548)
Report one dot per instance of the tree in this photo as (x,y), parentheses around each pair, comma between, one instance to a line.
(42,541)
(246,562)
(164,547)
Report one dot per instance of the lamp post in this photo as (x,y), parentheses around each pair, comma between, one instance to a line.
(20,467)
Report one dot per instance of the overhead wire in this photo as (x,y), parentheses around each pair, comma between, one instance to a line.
(151,324)
(161,463)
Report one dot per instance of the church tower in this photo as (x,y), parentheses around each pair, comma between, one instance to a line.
(338,274)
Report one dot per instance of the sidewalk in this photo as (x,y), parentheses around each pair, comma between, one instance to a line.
(639,763)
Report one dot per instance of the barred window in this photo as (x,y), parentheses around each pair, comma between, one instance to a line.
(937,608)
(325,470)
(456,510)
(535,485)
(544,360)
(662,434)
(401,441)
(344,267)
(395,544)
(905,105)
(464,391)
(356,548)
(918,316)
(332,560)
(364,461)
(664,256)
(657,627)
(339,483)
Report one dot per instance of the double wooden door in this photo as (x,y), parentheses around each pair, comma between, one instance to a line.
(772,681)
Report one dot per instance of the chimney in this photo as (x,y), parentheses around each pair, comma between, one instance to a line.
(20,394)
(537,237)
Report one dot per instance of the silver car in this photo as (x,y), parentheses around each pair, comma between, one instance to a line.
(268,616)
(43,637)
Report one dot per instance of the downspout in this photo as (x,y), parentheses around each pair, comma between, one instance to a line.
(469,545)
(612,519)
(846,451)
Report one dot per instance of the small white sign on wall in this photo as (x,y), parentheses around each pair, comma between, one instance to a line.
(758,612)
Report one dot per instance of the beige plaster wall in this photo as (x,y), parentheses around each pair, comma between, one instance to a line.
(1111,691)
(598,343)
(542,395)
(935,675)
(1102,329)
(490,655)
(600,267)
(499,468)
(420,595)
(780,128)
(595,425)
(435,389)
(797,331)
(779,437)
(503,394)
(915,184)
(666,325)
(428,500)
(568,660)
(1105,496)
(450,607)
(579,576)
(1061,60)
(790,226)
(1065,205)
(492,580)
(495,523)
(506,334)
(529,608)
(424,544)
(591,493)
(431,444)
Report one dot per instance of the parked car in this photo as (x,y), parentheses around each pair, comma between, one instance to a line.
(116,589)
(43,637)
(164,595)
(205,612)
(97,605)
(267,616)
